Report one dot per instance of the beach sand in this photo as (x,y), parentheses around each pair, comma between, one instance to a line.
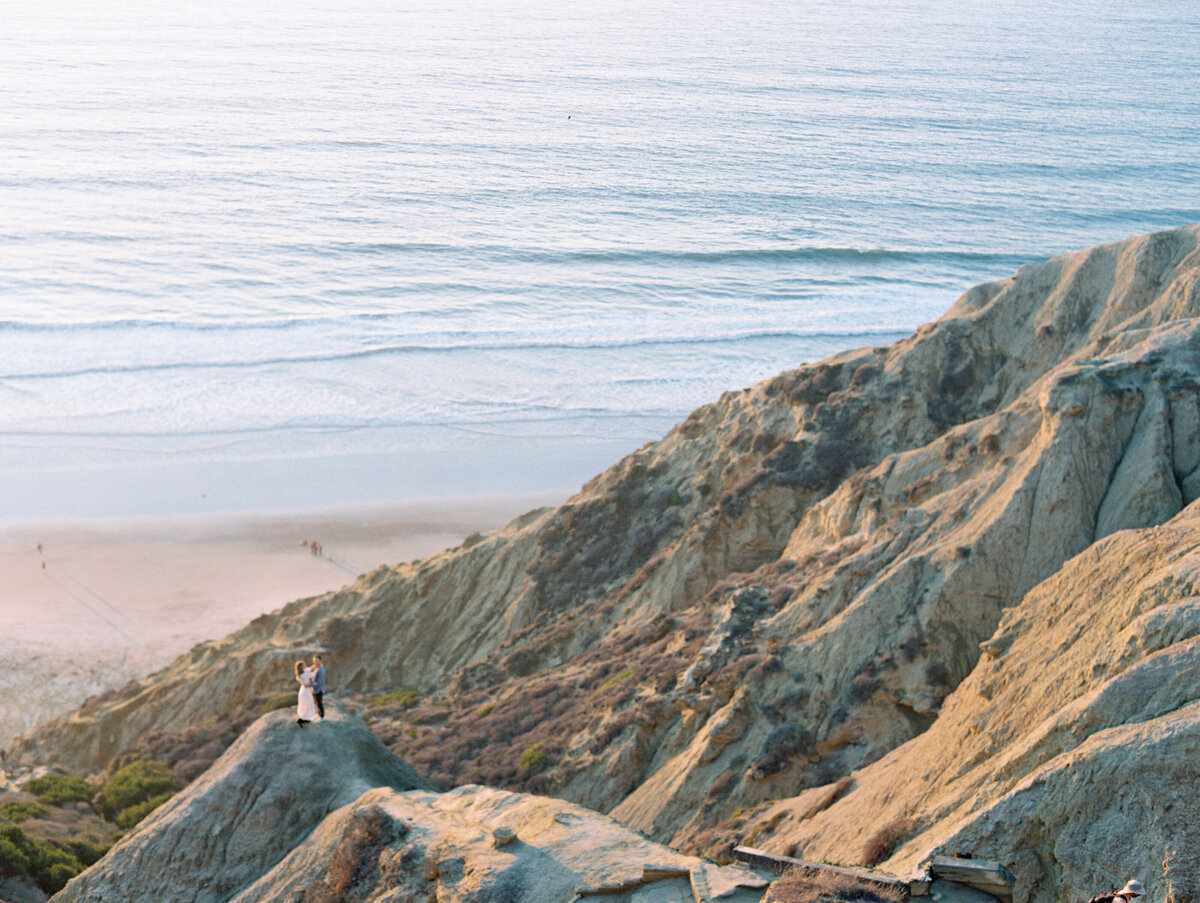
(119,598)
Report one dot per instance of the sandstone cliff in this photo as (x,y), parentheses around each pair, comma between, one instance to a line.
(785,588)
(1073,749)
(325,813)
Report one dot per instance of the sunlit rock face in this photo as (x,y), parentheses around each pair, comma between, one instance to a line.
(801,585)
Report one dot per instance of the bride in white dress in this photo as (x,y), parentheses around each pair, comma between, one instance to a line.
(306,706)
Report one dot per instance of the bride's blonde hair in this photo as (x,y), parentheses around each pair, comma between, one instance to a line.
(299,669)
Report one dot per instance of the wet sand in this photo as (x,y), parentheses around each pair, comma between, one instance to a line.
(119,598)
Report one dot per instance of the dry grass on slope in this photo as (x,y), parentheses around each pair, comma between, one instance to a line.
(534,734)
(827,887)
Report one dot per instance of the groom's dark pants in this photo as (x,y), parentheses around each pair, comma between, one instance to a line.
(320,700)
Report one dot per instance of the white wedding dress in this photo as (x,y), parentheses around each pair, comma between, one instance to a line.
(306,706)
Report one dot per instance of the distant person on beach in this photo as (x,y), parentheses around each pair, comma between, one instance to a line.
(1132,888)
(318,669)
(306,706)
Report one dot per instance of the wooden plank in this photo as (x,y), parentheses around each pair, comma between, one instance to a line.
(966,870)
(986,875)
(701,892)
(780,864)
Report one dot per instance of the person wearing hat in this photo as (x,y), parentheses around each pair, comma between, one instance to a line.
(1132,888)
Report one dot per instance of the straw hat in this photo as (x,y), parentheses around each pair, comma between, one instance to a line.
(1133,888)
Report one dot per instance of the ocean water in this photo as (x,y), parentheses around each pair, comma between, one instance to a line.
(284,255)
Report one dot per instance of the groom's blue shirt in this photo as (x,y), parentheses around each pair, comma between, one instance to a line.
(319,680)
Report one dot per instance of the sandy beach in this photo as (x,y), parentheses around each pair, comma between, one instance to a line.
(105,601)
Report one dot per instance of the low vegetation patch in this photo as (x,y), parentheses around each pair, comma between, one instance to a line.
(49,866)
(191,751)
(886,840)
(534,759)
(827,887)
(58,789)
(404,699)
(21,810)
(131,815)
(133,788)
(488,723)
(87,850)
(611,682)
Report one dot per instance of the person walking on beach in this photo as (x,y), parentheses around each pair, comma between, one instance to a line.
(1132,888)
(318,669)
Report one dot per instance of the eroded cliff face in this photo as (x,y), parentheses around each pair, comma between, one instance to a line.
(783,590)
(1070,752)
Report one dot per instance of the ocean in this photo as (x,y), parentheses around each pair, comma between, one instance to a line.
(290,255)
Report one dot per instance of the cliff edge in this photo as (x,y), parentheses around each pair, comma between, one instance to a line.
(267,792)
(326,813)
(798,586)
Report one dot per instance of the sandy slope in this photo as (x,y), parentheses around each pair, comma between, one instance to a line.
(119,598)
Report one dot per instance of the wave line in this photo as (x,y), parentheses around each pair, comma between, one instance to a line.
(451,348)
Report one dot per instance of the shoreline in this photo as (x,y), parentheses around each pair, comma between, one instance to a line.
(120,597)
(368,470)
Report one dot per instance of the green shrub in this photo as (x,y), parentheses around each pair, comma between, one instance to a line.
(86,849)
(57,789)
(405,698)
(56,877)
(281,701)
(134,784)
(13,860)
(20,810)
(534,759)
(48,865)
(611,682)
(131,815)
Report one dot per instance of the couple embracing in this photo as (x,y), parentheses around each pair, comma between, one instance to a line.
(310,705)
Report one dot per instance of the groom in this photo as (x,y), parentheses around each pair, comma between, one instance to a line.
(319,685)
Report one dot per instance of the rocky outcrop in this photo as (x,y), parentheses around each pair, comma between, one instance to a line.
(252,807)
(783,590)
(325,813)
(1068,749)
(480,844)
